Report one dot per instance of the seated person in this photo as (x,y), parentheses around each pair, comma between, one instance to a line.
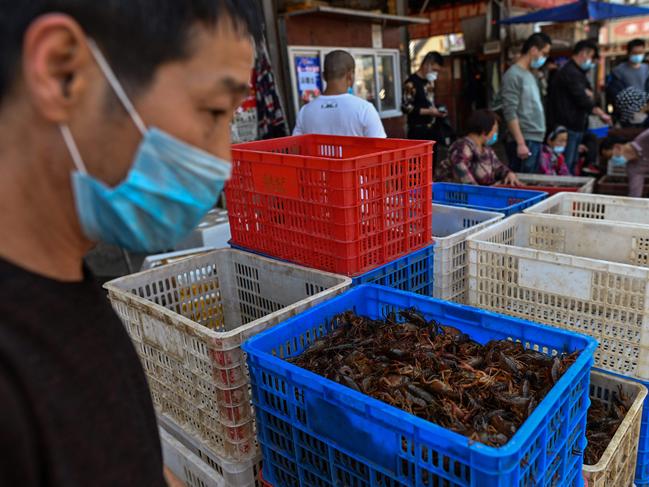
(635,155)
(551,160)
(471,160)
(606,149)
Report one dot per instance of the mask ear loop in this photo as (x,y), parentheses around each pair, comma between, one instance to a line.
(117,86)
(72,148)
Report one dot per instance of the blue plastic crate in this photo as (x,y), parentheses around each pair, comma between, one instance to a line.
(489,198)
(413,272)
(642,466)
(315,432)
(600,132)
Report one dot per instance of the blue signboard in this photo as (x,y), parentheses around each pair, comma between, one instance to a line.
(308,76)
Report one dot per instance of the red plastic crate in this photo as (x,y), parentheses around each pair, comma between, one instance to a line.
(339,204)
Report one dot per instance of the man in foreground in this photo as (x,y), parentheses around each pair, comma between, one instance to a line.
(115,126)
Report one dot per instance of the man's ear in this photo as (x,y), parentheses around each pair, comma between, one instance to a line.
(55,65)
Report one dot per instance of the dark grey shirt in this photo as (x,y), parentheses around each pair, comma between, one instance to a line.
(521,99)
(630,76)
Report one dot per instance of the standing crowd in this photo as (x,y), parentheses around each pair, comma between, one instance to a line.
(545,131)
(541,115)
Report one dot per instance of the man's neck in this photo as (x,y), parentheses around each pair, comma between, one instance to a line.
(38,218)
(337,87)
(634,65)
(333,92)
(524,61)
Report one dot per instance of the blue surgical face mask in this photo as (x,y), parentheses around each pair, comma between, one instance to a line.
(618,160)
(587,65)
(636,58)
(493,139)
(350,90)
(538,63)
(559,149)
(169,188)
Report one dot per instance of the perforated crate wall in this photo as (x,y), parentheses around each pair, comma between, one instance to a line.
(188,321)
(315,432)
(451,227)
(583,275)
(595,206)
(487,198)
(196,466)
(617,466)
(342,204)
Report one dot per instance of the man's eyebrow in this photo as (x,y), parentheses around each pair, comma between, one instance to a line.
(233,85)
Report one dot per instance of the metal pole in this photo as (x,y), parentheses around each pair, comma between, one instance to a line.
(276,42)
(404,41)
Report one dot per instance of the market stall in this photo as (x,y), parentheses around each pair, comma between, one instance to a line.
(385,381)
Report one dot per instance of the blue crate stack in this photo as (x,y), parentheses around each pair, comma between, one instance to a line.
(316,432)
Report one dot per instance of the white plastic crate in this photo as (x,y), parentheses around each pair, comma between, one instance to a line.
(585,184)
(587,276)
(157,260)
(451,227)
(618,462)
(188,321)
(595,206)
(198,467)
(213,231)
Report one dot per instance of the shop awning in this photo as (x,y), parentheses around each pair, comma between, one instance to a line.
(581,10)
(386,19)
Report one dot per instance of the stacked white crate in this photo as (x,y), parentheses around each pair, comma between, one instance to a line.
(595,206)
(588,276)
(188,321)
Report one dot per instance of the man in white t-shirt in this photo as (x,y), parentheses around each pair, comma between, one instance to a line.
(337,111)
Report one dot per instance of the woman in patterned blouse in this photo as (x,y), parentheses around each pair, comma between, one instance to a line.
(471,160)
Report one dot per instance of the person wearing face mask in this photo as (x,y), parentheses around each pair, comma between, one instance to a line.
(471,159)
(338,111)
(419,98)
(635,156)
(632,106)
(116,128)
(552,160)
(634,72)
(522,106)
(572,99)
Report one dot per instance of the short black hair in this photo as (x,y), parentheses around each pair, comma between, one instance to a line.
(635,43)
(586,45)
(337,64)
(609,142)
(538,40)
(433,57)
(135,35)
(481,122)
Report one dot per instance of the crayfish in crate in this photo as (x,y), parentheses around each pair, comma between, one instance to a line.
(437,372)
